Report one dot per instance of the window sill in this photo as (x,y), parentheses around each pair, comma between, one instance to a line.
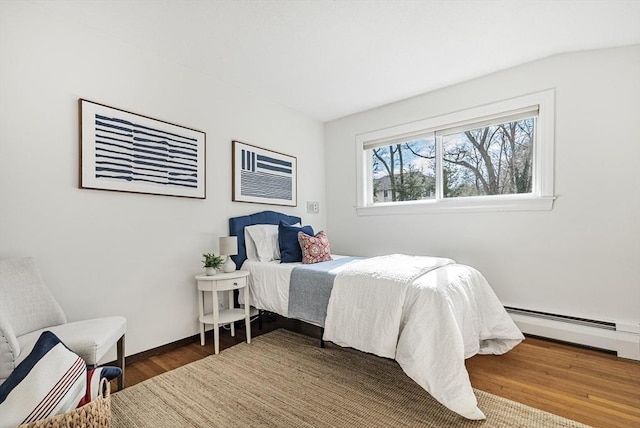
(480,204)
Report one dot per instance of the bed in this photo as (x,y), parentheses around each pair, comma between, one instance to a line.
(427,313)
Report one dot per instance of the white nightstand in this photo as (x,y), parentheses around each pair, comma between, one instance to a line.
(222,282)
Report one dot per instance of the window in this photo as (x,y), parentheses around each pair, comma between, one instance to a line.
(495,157)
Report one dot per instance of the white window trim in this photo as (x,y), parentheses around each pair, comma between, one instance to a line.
(543,172)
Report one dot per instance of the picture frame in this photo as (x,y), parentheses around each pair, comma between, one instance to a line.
(263,176)
(128,152)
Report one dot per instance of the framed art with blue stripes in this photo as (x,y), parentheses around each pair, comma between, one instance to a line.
(263,176)
(128,152)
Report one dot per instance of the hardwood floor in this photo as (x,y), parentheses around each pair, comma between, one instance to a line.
(593,387)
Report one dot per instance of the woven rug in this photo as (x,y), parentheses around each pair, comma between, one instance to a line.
(283,379)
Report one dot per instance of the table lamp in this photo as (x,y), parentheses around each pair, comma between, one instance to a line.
(228,247)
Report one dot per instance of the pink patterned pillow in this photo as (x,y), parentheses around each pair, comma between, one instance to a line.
(315,249)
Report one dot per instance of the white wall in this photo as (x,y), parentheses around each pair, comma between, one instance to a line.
(583,257)
(105,253)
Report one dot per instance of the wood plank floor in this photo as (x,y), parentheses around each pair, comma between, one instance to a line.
(589,386)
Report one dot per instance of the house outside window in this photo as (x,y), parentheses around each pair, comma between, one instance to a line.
(490,158)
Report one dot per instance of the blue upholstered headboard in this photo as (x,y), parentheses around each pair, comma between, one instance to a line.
(237,225)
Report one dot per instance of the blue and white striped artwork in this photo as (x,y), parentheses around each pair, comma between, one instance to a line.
(128,152)
(263,176)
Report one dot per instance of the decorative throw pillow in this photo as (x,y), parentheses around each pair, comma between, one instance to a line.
(49,381)
(315,249)
(290,251)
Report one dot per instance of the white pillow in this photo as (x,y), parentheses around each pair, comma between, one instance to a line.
(264,239)
(250,246)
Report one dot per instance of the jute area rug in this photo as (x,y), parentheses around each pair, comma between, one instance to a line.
(283,379)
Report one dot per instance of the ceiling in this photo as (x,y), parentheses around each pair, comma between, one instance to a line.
(329,59)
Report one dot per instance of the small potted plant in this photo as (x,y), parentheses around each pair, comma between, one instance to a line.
(212,263)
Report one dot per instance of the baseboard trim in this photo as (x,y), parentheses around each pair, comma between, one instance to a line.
(626,344)
(157,350)
(133,358)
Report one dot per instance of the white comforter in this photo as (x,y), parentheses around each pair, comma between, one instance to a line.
(427,313)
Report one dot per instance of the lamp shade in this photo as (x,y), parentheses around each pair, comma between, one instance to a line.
(228,245)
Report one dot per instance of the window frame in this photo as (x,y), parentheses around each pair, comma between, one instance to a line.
(540,199)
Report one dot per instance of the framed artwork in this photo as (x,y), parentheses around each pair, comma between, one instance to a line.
(263,176)
(127,152)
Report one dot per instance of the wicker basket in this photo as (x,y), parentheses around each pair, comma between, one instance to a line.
(95,414)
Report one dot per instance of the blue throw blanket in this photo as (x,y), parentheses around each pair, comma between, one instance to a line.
(310,289)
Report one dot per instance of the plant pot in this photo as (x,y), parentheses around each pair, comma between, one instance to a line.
(210,271)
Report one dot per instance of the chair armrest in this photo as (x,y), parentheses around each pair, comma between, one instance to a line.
(9,348)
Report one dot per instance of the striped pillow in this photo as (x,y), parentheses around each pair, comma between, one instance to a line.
(51,380)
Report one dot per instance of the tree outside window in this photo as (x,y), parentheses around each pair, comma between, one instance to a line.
(491,160)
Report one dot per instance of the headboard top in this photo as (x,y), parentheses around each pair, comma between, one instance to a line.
(237,225)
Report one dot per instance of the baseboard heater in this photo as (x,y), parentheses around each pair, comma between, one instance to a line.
(624,339)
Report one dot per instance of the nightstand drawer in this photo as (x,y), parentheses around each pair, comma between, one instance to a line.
(231,284)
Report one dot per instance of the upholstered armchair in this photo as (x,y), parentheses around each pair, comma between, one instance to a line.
(27,308)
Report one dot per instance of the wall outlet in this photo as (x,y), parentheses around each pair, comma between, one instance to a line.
(313,207)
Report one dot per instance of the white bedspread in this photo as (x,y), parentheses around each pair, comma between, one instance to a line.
(427,313)
(268,285)
(368,296)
